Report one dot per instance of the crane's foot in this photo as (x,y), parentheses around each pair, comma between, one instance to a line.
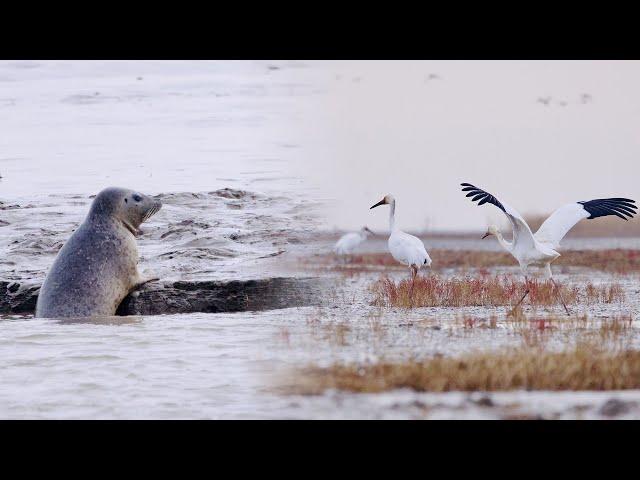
(514,309)
(560,297)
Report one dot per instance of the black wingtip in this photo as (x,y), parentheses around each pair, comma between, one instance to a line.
(603,207)
(481,195)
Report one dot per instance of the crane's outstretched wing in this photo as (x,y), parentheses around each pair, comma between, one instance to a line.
(563,219)
(521,231)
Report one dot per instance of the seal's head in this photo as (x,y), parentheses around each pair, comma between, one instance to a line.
(128,206)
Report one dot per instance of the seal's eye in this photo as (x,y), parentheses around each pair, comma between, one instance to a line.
(137,198)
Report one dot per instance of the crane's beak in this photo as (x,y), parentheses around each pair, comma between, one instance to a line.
(367,229)
(381,202)
(485,235)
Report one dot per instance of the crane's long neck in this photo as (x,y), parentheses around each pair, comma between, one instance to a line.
(392,215)
(506,245)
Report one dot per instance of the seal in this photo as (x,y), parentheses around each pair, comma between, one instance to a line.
(97,266)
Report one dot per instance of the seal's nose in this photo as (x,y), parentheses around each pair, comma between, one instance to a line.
(156,202)
(157,205)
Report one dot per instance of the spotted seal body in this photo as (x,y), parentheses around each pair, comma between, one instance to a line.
(98,266)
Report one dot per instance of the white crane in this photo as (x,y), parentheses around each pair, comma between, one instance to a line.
(349,241)
(539,250)
(405,248)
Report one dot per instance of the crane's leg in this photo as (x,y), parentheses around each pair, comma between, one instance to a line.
(526,292)
(560,297)
(414,273)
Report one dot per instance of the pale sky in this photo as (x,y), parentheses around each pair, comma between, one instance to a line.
(382,127)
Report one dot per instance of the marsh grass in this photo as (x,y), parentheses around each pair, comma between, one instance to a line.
(585,367)
(620,261)
(611,333)
(554,353)
(486,290)
(327,333)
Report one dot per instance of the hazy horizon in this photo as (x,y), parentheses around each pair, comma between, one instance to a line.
(347,132)
(384,127)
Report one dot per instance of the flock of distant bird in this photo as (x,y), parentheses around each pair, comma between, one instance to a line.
(529,249)
(547,101)
(550,101)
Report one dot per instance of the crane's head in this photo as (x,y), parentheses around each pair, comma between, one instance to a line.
(385,201)
(492,230)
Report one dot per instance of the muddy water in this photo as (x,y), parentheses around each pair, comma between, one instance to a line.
(220,234)
(217,142)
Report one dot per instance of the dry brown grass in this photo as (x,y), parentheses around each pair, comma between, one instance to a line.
(615,332)
(583,368)
(614,260)
(486,290)
(616,326)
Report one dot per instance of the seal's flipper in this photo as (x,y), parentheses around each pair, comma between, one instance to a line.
(144,281)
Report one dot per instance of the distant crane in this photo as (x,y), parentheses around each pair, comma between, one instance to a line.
(349,241)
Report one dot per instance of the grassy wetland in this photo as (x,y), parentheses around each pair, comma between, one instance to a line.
(450,344)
